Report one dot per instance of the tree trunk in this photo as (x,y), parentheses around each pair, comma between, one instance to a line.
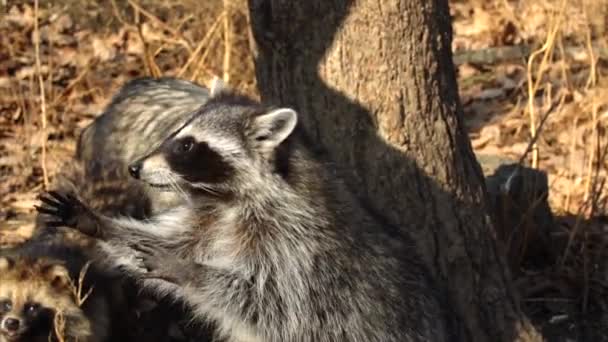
(374,83)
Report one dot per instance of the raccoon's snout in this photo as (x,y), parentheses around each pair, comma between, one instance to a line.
(134,170)
(11,325)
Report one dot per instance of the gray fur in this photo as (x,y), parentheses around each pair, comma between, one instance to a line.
(281,251)
(140,116)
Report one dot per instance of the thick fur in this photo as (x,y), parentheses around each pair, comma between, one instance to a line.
(145,317)
(269,242)
(142,315)
(140,116)
(110,193)
(39,282)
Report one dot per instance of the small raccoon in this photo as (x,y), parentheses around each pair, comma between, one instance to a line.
(39,302)
(140,116)
(269,243)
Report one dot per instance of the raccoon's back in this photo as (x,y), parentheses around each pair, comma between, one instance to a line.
(140,116)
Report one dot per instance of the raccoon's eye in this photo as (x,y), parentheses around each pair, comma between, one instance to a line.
(184,145)
(6,305)
(32,308)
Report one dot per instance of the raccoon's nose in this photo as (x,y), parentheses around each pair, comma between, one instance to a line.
(11,324)
(134,170)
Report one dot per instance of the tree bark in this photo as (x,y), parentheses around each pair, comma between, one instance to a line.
(374,83)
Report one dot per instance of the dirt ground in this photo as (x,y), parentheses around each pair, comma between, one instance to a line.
(525,68)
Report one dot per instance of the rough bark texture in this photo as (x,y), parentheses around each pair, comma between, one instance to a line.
(375,84)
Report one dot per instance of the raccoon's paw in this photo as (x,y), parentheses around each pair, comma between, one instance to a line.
(159,264)
(66,210)
(63,209)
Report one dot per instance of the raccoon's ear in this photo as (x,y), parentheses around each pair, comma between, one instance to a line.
(217,86)
(6,263)
(57,275)
(269,130)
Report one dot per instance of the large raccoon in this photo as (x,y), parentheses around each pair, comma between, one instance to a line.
(140,116)
(270,244)
(42,298)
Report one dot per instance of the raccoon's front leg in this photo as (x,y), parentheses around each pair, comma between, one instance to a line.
(68,211)
(210,284)
(210,291)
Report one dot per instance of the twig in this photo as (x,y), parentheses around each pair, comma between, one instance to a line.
(227,42)
(185,42)
(45,176)
(546,50)
(71,85)
(591,81)
(118,16)
(589,202)
(592,149)
(201,62)
(201,45)
(152,67)
(564,70)
(80,297)
(59,323)
(253,48)
(539,129)
(50,73)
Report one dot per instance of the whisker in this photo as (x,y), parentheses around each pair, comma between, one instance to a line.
(175,184)
(173,181)
(206,188)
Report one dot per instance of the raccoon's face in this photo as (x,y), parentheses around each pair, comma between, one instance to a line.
(21,320)
(27,300)
(230,142)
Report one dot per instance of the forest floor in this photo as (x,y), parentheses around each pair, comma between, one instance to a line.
(520,63)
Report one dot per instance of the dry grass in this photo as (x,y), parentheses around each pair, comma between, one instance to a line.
(53,86)
(77,288)
(566,293)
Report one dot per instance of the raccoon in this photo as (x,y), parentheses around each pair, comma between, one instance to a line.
(140,116)
(269,243)
(40,298)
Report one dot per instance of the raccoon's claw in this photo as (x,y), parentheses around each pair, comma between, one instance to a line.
(66,210)
(59,207)
(150,259)
(145,249)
